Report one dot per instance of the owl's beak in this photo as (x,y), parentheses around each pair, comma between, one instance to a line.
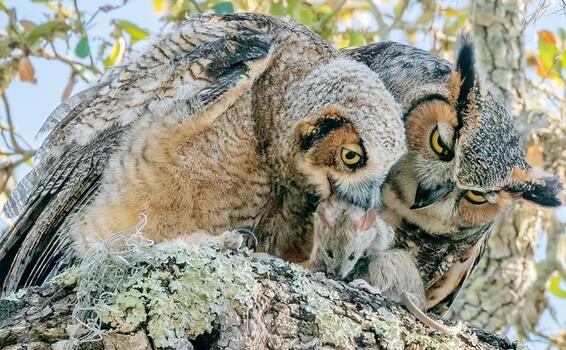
(426,196)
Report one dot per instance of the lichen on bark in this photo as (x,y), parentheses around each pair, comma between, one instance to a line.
(129,291)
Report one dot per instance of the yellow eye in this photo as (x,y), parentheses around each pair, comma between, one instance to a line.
(352,154)
(475,197)
(435,142)
(439,147)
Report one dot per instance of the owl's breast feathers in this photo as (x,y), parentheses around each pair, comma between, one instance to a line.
(444,260)
(180,85)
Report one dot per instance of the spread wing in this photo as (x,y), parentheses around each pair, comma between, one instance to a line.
(200,68)
(443,292)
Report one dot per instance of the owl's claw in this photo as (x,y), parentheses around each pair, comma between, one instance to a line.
(234,239)
(249,233)
(364,285)
(231,240)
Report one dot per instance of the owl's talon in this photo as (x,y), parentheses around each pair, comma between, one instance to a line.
(231,240)
(234,239)
(364,285)
(249,233)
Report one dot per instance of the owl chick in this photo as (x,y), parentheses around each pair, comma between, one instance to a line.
(344,234)
(227,121)
(464,163)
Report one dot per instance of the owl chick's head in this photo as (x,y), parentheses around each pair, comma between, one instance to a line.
(465,149)
(349,131)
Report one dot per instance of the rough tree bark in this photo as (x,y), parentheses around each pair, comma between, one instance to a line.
(507,289)
(257,304)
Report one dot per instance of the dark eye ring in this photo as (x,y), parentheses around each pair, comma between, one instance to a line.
(351,257)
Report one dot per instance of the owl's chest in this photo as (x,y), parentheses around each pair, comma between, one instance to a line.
(229,177)
(435,254)
(193,176)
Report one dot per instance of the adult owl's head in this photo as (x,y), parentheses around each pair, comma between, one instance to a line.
(471,137)
(465,160)
(349,131)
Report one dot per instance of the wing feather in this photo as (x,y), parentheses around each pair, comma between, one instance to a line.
(201,68)
(443,293)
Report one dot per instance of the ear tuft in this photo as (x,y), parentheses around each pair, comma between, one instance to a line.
(466,67)
(546,193)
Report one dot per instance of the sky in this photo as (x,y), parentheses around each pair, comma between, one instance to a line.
(31,104)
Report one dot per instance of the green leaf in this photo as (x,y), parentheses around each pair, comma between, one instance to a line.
(548,52)
(116,54)
(293,9)
(223,7)
(46,30)
(159,6)
(562,36)
(3,6)
(307,16)
(82,49)
(277,9)
(136,33)
(554,287)
(399,8)
(356,38)
(4,48)
(451,12)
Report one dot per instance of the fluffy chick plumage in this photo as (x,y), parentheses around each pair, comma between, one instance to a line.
(227,121)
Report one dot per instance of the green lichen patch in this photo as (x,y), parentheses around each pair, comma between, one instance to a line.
(333,329)
(67,277)
(336,330)
(173,290)
(389,330)
(393,334)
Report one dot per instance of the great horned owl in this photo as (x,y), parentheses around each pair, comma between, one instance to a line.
(228,121)
(464,164)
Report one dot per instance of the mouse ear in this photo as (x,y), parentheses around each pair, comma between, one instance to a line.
(366,221)
(326,214)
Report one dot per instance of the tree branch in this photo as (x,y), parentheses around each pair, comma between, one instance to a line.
(236,301)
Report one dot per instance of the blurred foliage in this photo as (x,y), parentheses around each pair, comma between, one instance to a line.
(550,60)
(65,35)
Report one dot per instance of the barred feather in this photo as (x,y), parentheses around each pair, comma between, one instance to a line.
(188,68)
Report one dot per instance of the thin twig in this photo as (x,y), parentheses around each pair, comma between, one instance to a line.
(13,164)
(82,29)
(332,14)
(546,90)
(75,66)
(382,27)
(397,18)
(14,141)
(196,5)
